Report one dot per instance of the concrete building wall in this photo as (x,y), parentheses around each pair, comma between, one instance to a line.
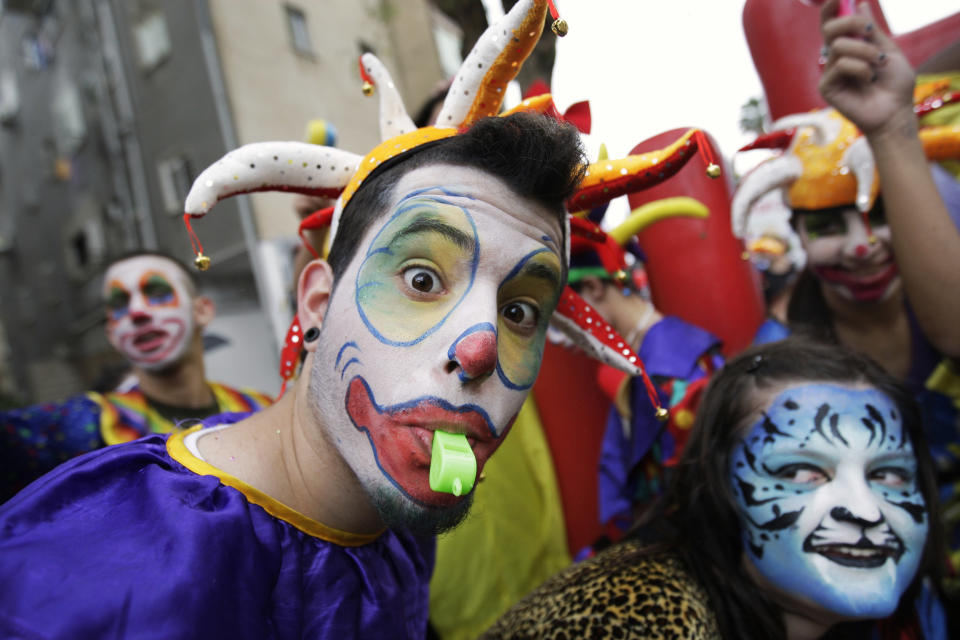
(121,101)
(274,89)
(60,206)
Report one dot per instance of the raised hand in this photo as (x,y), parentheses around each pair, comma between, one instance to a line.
(866,77)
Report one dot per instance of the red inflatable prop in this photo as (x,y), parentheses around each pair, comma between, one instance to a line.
(784,40)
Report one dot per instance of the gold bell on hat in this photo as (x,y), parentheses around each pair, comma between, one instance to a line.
(559,27)
(662,414)
(367,88)
(713,170)
(202,262)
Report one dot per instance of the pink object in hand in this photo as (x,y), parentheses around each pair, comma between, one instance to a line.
(846,8)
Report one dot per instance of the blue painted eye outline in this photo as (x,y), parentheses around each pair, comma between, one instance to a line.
(474,263)
(507,382)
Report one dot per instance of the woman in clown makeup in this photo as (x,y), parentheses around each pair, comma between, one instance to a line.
(857,179)
(801,508)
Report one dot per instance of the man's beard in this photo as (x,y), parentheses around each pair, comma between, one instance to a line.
(399,513)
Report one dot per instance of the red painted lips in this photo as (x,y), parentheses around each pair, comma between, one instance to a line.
(402,437)
(863,288)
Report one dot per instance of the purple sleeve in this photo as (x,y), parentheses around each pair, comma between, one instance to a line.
(125,542)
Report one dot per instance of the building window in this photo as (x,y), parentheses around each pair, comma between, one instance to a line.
(153,40)
(175,182)
(299,35)
(69,123)
(9,96)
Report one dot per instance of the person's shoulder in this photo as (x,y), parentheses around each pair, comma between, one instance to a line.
(128,531)
(627,590)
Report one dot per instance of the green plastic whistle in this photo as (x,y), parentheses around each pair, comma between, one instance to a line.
(453,467)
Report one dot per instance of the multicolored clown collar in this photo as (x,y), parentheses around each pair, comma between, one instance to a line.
(477,91)
(827,163)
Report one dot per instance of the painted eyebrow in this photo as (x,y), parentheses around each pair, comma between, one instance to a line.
(432,225)
(536,270)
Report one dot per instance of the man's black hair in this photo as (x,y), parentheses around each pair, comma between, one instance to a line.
(538,157)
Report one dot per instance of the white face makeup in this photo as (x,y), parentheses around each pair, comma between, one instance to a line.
(149,311)
(826,484)
(840,254)
(438,322)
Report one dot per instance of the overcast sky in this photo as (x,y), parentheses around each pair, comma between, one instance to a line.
(671,81)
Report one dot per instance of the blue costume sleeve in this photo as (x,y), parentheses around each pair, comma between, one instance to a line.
(632,454)
(35,439)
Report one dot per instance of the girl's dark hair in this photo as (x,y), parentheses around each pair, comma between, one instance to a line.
(537,156)
(807,311)
(697,517)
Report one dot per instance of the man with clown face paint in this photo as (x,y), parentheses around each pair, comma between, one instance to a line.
(429,315)
(423,330)
(432,325)
(152,311)
(155,318)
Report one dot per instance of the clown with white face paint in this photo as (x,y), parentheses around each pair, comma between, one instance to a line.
(447,258)
(852,258)
(438,323)
(154,318)
(826,487)
(150,311)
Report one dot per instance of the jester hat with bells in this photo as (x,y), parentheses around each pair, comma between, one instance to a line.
(477,91)
(826,163)
(595,252)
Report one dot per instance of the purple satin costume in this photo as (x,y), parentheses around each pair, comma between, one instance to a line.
(126,542)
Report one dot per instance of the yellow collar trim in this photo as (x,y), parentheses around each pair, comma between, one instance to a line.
(179,452)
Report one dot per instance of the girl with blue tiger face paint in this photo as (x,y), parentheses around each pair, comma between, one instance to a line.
(804,506)
(825,481)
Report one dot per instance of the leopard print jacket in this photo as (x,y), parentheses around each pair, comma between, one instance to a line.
(624,592)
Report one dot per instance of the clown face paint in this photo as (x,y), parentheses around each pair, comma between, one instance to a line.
(149,311)
(841,256)
(828,498)
(438,322)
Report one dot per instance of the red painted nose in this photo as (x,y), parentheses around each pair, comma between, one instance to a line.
(476,353)
(860,250)
(139,317)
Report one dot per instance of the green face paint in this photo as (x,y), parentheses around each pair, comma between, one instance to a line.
(529,296)
(453,467)
(417,269)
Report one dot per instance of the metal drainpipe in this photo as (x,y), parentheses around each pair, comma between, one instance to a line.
(227,131)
